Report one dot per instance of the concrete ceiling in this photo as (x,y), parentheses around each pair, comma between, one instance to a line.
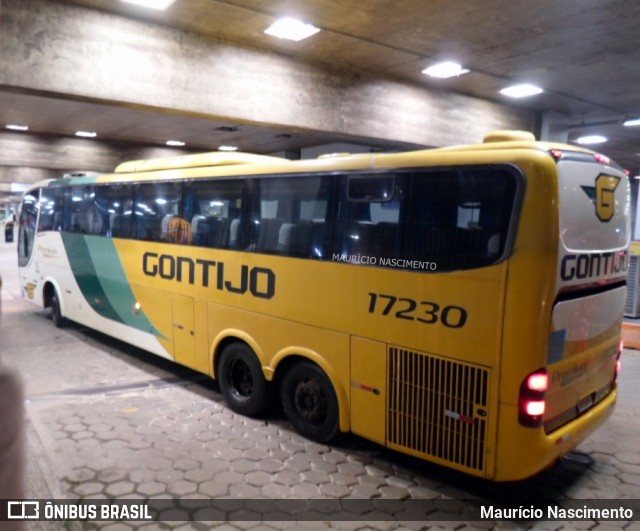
(127,125)
(584,54)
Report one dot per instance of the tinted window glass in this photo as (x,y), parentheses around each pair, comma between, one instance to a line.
(81,213)
(370,188)
(27,230)
(115,203)
(51,209)
(369,226)
(157,215)
(459,219)
(290,217)
(214,209)
(430,221)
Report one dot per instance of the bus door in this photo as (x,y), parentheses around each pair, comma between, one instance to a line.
(190,332)
(183,324)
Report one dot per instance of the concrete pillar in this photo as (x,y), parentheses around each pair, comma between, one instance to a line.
(12,443)
(554,127)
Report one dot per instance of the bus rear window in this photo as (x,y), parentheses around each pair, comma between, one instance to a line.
(594,207)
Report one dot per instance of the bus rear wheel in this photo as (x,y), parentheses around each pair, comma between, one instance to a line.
(242,382)
(310,402)
(59,321)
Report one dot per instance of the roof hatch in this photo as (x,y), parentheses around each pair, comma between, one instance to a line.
(509,136)
(215,158)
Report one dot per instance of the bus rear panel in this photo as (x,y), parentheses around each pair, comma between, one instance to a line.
(569,387)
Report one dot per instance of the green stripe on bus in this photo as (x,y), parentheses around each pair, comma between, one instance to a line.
(99,273)
(87,179)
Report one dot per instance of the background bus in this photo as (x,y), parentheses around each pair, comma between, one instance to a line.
(456,304)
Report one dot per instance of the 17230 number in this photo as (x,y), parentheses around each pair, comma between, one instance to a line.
(424,311)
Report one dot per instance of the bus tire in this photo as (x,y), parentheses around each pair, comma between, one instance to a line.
(309,402)
(241,380)
(59,321)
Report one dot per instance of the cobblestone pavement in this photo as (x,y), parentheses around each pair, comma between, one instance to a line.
(105,420)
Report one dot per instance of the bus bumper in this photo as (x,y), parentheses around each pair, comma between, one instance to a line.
(523,452)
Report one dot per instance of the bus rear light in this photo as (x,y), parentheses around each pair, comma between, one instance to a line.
(531,404)
(538,381)
(618,360)
(534,408)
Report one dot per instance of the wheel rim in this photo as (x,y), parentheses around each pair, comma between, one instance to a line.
(240,379)
(310,401)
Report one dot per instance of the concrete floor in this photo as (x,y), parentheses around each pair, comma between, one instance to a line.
(105,420)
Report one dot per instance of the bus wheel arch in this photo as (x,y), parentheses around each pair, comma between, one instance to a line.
(239,373)
(52,299)
(309,398)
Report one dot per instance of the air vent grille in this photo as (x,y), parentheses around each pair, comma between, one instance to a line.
(438,408)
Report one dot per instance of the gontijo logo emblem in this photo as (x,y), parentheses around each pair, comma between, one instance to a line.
(605,201)
(603,196)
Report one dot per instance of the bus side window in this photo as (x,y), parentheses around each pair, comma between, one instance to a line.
(451,219)
(458,219)
(216,212)
(81,215)
(155,204)
(368,224)
(51,209)
(115,202)
(291,216)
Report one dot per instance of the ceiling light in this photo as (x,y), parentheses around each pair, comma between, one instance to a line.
(152,4)
(291,29)
(632,123)
(444,70)
(86,134)
(523,90)
(228,148)
(591,139)
(15,127)
(175,143)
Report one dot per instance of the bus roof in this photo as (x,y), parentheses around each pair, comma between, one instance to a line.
(216,158)
(509,140)
(493,140)
(239,164)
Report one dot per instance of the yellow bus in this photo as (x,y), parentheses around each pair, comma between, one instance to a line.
(462,305)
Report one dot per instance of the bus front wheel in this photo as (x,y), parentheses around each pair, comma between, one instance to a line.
(242,382)
(310,402)
(58,319)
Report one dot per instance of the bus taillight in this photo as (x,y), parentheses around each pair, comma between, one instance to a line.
(557,154)
(532,398)
(618,361)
